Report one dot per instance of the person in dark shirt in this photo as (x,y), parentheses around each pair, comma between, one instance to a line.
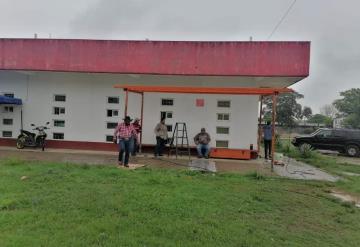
(202,141)
(267,131)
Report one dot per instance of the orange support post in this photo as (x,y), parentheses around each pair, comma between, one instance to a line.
(126,101)
(141,120)
(259,126)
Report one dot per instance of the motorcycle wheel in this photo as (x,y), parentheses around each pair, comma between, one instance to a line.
(20,143)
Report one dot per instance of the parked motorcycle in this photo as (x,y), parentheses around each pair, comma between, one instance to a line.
(29,139)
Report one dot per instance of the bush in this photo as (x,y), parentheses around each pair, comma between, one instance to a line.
(278,141)
(306,151)
(286,148)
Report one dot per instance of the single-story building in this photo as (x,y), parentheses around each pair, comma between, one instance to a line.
(70,83)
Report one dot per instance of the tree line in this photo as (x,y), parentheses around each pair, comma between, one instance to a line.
(290,112)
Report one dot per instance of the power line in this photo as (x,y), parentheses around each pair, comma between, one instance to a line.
(281,20)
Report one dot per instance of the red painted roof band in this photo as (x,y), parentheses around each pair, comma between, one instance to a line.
(290,59)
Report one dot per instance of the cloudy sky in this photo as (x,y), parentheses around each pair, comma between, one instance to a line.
(333,27)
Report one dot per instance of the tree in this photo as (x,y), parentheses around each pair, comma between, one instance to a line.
(306,112)
(321,119)
(329,111)
(349,107)
(287,111)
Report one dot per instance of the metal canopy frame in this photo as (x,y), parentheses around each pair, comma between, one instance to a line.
(274,92)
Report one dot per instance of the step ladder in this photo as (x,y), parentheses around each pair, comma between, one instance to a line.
(179,141)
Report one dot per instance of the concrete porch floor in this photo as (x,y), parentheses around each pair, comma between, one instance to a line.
(292,168)
(110,158)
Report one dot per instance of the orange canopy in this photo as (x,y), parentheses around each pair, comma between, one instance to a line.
(205,90)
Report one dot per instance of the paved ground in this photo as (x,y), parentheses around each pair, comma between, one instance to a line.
(299,170)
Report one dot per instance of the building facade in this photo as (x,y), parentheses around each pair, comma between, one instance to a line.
(86,107)
(70,83)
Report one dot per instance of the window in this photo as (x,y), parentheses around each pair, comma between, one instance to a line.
(112,113)
(111,125)
(113,100)
(222,144)
(222,130)
(341,133)
(59,123)
(59,110)
(166,114)
(324,133)
(167,102)
(223,103)
(58,136)
(10,95)
(109,138)
(223,116)
(169,127)
(7,121)
(7,134)
(60,97)
(8,109)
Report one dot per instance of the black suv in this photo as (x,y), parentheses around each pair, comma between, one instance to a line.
(343,140)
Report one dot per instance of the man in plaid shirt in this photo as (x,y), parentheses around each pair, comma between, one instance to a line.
(125,133)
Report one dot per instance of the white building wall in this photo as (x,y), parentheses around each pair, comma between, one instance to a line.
(86,107)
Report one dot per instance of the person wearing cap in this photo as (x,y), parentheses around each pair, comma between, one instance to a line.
(161,133)
(124,132)
(202,141)
(136,144)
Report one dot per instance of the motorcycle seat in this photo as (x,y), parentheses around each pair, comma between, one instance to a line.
(28,133)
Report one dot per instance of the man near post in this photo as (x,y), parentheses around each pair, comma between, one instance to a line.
(267,130)
(136,144)
(202,141)
(124,132)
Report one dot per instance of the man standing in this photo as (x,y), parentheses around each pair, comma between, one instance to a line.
(202,141)
(161,133)
(136,140)
(267,129)
(124,132)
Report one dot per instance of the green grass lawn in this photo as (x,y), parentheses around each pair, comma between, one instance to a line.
(72,205)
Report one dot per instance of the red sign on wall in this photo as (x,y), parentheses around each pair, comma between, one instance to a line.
(200,102)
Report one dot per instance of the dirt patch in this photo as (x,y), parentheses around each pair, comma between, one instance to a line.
(349,160)
(345,197)
(341,158)
(351,174)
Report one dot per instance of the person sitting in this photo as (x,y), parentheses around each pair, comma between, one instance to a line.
(202,141)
